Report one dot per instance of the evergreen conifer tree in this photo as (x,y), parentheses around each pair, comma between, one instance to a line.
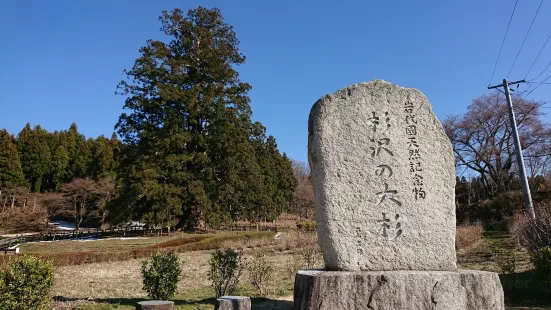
(188,134)
(34,153)
(11,173)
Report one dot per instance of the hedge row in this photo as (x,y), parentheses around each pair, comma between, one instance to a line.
(178,246)
(177,242)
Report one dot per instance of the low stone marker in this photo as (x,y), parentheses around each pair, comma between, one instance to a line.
(155,305)
(233,303)
(384,180)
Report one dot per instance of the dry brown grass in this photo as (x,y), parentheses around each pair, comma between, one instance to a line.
(248,243)
(292,240)
(123,279)
(285,221)
(468,235)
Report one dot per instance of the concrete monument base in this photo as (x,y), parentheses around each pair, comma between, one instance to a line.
(398,290)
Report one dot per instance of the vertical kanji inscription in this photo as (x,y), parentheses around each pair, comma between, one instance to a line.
(414,154)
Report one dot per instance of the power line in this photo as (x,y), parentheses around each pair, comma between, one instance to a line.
(543,47)
(541,73)
(525,37)
(503,43)
(539,84)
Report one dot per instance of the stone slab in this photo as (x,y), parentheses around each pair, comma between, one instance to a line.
(384,180)
(233,303)
(398,290)
(155,305)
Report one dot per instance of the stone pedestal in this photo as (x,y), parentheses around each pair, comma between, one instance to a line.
(398,290)
(233,303)
(155,305)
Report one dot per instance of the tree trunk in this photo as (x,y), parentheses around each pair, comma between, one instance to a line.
(486,186)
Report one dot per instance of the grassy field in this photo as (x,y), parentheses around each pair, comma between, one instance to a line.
(117,285)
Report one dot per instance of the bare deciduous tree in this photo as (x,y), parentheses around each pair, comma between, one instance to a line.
(106,192)
(80,198)
(483,142)
(304,192)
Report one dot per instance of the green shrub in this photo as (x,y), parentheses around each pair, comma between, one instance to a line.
(161,274)
(260,274)
(542,265)
(25,283)
(226,268)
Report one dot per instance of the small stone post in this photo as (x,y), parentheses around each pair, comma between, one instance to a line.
(233,303)
(155,305)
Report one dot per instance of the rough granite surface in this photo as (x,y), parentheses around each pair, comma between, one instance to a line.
(233,303)
(398,290)
(384,180)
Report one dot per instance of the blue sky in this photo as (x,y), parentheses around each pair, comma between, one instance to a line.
(60,61)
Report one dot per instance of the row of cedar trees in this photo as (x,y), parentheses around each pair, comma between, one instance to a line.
(63,174)
(55,174)
(189,149)
(43,161)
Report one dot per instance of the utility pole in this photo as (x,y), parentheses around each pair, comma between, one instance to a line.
(520,160)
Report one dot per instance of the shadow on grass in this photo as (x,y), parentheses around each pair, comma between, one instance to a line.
(257,303)
(271,304)
(523,289)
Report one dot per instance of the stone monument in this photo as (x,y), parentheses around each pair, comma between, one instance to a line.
(384,180)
